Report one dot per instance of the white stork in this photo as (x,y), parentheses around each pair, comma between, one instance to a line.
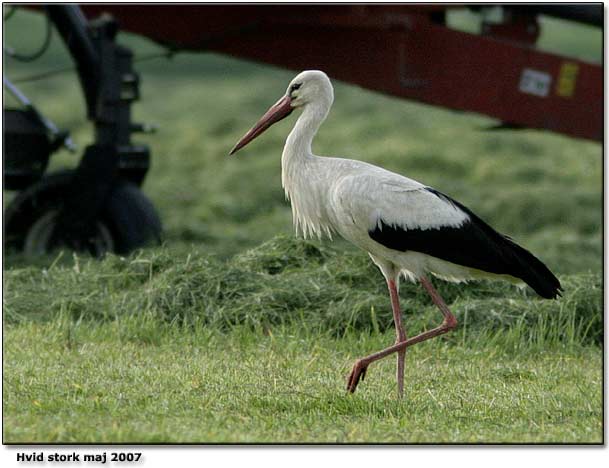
(406,227)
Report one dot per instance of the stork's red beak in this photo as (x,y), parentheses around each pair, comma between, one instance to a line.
(280,110)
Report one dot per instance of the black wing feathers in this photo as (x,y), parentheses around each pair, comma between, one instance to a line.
(474,244)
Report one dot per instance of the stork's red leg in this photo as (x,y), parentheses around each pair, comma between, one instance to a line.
(448,324)
(399,332)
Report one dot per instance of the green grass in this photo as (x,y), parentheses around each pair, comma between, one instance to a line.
(293,282)
(196,349)
(72,382)
(235,331)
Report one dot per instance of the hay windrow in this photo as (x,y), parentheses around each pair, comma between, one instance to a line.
(288,280)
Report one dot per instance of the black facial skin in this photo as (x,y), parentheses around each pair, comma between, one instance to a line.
(294,87)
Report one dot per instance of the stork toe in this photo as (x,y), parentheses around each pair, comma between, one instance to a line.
(358,372)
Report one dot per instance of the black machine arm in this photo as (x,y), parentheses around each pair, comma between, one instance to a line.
(73,28)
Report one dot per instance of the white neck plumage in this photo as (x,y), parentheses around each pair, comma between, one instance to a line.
(300,179)
(297,149)
(298,143)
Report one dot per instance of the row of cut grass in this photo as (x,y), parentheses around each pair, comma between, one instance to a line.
(291,281)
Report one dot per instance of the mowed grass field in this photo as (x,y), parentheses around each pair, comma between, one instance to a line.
(235,331)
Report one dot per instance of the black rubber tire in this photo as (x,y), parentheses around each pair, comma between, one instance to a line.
(132,218)
(127,215)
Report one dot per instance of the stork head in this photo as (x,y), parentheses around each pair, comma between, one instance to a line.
(310,86)
(307,89)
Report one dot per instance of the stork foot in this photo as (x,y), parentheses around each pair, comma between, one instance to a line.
(358,372)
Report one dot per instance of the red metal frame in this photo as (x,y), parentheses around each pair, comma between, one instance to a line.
(402,50)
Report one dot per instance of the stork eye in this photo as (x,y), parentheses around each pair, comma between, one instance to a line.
(294,87)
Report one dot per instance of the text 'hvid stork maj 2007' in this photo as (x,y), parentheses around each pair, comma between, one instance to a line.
(406,227)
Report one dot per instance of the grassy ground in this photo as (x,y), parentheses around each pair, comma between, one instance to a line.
(77,383)
(256,348)
(235,331)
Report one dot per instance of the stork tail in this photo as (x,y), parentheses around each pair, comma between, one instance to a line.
(532,271)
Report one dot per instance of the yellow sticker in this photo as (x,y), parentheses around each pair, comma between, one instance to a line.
(567,77)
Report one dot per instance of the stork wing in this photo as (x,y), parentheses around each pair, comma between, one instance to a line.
(396,201)
(404,215)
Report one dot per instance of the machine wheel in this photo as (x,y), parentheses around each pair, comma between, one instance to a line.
(127,221)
